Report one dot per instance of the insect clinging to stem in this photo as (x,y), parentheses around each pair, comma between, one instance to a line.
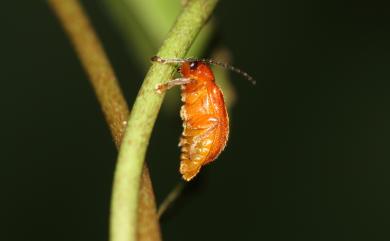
(204,115)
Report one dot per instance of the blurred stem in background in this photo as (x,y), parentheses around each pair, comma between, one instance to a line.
(222,76)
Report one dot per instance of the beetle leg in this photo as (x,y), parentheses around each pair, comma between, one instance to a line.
(160,88)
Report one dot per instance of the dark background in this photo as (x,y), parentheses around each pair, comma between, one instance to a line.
(308,155)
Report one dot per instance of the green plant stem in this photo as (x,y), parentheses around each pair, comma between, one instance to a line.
(125,196)
(144,25)
(104,82)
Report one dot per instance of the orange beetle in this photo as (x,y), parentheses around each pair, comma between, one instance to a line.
(204,115)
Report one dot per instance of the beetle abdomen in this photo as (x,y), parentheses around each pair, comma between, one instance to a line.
(196,145)
(205,131)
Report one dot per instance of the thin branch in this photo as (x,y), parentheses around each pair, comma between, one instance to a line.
(170,198)
(102,77)
(143,116)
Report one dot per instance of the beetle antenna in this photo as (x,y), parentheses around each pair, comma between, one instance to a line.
(229,67)
(208,61)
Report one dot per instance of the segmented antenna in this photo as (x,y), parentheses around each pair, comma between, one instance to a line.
(208,61)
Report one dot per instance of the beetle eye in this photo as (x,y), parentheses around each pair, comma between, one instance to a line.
(193,65)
